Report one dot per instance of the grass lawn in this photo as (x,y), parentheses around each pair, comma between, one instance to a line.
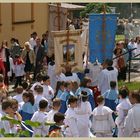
(131,85)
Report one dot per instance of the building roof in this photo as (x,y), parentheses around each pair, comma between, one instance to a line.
(69,6)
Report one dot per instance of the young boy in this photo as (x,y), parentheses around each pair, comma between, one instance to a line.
(71,118)
(18,70)
(38,96)
(102,123)
(18,96)
(4,124)
(122,110)
(48,92)
(38,81)
(41,116)
(55,130)
(56,106)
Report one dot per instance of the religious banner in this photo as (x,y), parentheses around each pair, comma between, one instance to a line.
(57,21)
(68,49)
(102,31)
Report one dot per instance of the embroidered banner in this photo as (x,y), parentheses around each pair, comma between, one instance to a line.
(73,47)
(102,30)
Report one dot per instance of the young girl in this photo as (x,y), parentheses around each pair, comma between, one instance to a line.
(71,118)
(83,112)
(27,110)
(84,87)
(65,96)
(59,89)
(122,110)
(103,122)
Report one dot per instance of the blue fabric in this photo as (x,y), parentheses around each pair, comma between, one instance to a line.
(63,107)
(110,98)
(25,115)
(101,45)
(81,76)
(59,93)
(111,104)
(28,108)
(65,95)
(64,99)
(111,94)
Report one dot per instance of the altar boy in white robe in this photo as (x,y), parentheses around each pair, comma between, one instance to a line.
(68,75)
(48,91)
(41,116)
(83,112)
(103,122)
(132,121)
(122,110)
(108,74)
(71,119)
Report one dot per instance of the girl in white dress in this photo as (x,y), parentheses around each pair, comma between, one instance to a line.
(83,112)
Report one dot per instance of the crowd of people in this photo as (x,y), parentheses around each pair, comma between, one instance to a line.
(82,104)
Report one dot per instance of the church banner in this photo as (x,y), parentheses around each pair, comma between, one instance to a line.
(102,31)
(54,19)
(68,49)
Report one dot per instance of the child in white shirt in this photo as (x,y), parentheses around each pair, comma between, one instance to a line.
(56,106)
(71,119)
(41,116)
(103,122)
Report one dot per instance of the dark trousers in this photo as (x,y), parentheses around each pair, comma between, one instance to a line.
(37,70)
(18,81)
(122,74)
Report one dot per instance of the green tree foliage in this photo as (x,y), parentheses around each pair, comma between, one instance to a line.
(94,8)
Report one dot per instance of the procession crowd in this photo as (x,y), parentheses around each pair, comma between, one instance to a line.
(77,104)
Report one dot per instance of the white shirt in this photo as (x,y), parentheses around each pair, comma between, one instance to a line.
(35,84)
(38,98)
(50,115)
(94,71)
(32,42)
(19,70)
(41,117)
(4,124)
(72,78)
(132,122)
(18,97)
(105,77)
(71,122)
(83,112)
(48,93)
(102,120)
(122,110)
